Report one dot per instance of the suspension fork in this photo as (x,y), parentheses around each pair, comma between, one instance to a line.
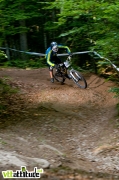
(71,73)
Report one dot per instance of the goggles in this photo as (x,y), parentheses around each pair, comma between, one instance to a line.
(55,48)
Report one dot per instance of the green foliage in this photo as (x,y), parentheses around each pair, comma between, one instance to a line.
(5,91)
(3,56)
(12,12)
(89,25)
(82,25)
(116,91)
(22,17)
(6,88)
(30,63)
(102,65)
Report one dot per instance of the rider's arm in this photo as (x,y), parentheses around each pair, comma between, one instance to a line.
(48,57)
(66,48)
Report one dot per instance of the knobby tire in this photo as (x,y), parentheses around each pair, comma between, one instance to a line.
(79,79)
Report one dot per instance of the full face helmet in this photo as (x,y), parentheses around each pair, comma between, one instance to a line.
(54,46)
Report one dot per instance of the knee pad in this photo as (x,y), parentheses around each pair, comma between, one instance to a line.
(51,68)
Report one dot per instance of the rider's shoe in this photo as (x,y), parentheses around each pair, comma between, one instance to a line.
(52,80)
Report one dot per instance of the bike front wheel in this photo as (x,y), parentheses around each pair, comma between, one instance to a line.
(78,79)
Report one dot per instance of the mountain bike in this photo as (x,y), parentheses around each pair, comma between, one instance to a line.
(65,70)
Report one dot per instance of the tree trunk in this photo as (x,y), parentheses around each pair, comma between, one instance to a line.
(45,41)
(23,39)
(7,51)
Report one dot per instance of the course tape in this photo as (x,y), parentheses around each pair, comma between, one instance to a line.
(66,54)
(101,57)
(32,53)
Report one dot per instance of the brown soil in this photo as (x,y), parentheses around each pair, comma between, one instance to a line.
(61,127)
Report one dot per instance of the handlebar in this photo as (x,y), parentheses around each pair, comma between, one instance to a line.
(66,63)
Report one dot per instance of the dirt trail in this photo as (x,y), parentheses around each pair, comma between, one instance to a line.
(62,125)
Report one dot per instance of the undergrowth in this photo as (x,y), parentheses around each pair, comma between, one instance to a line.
(6,91)
(28,63)
(115,90)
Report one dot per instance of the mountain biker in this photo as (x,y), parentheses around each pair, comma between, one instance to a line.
(52,58)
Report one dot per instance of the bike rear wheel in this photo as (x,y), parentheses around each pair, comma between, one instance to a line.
(78,79)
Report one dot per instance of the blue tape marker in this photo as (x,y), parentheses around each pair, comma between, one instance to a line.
(84,52)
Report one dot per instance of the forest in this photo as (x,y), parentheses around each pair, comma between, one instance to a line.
(81,25)
(72,133)
(84,26)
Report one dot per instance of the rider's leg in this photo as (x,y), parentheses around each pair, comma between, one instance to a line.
(51,74)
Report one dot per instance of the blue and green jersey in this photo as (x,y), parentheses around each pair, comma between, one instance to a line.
(49,54)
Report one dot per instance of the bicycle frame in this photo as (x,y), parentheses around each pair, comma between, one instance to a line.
(61,74)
